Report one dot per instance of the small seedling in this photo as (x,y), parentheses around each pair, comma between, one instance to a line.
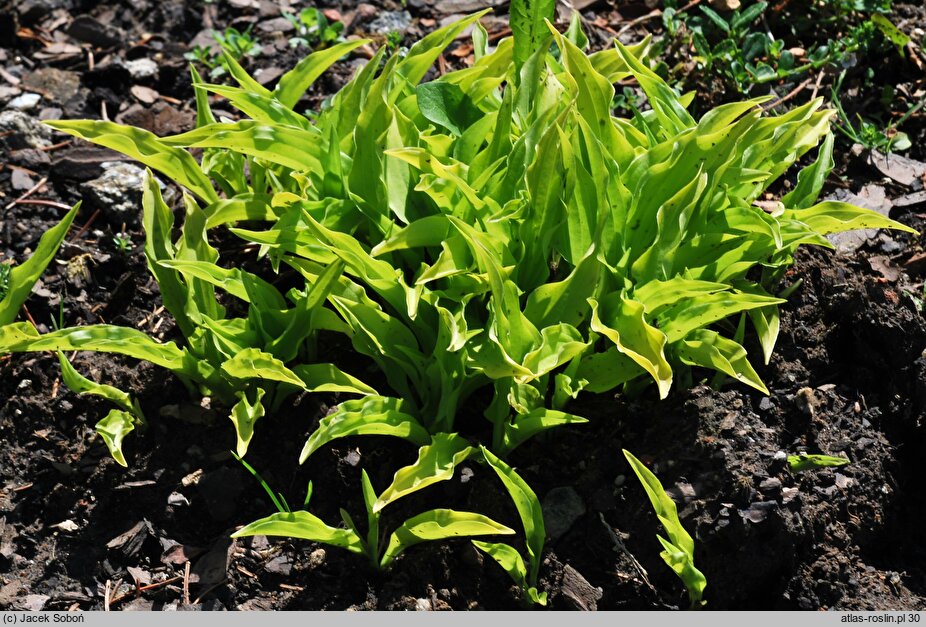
(803,461)
(678,550)
(122,242)
(314,30)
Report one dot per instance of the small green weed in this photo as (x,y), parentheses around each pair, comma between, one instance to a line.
(314,30)
(234,44)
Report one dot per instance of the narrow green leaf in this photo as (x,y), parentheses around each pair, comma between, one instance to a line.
(525,426)
(22,278)
(832,216)
(436,462)
(293,85)
(304,526)
(810,180)
(113,429)
(80,384)
(295,148)
(679,550)
(513,564)
(528,24)
(373,415)
(244,414)
(330,378)
(439,524)
(253,363)
(799,463)
(143,146)
(103,338)
(529,510)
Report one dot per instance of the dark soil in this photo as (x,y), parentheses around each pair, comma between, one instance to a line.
(77,531)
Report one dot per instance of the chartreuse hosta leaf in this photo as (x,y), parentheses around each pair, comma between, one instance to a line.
(528,23)
(678,550)
(531,515)
(304,526)
(80,384)
(174,163)
(439,524)
(373,415)
(114,427)
(799,463)
(244,414)
(23,277)
(436,462)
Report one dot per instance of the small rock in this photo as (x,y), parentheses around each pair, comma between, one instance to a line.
(423,605)
(279,565)
(55,85)
(138,605)
(118,193)
(562,507)
(8,92)
(780,456)
(317,558)
(142,68)
(19,130)
(772,485)
(352,458)
(31,158)
(843,482)
(20,180)
(34,602)
(89,30)
(67,526)
(759,511)
(466,474)
(766,404)
(789,494)
(26,102)
(390,21)
(276,25)
(192,478)
(50,113)
(177,500)
(169,411)
(145,94)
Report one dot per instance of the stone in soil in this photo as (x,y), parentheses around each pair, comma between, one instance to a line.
(562,507)
(19,130)
(117,193)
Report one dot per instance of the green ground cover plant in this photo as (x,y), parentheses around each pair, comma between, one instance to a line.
(496,231)
(739,48)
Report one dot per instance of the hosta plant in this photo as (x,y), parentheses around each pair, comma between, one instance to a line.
(495,233)
(678,549)
(436,462)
